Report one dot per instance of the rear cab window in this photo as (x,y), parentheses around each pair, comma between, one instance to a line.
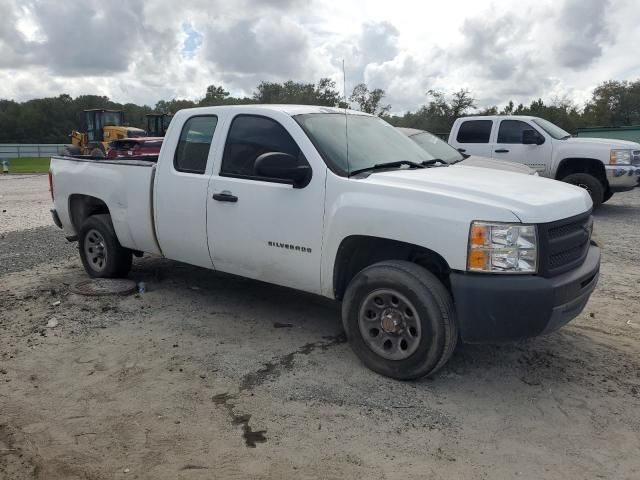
(194,143)
(474,131)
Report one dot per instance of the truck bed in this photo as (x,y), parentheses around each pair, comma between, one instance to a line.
(125,185)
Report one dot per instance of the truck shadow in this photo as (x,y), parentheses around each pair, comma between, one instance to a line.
(615,211)
(296,324)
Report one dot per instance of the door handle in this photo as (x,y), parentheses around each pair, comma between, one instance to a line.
(462,150)
(502,150)
(225,197)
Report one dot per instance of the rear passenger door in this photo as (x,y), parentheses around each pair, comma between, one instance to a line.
(509,146)
(473,137)
(181,192)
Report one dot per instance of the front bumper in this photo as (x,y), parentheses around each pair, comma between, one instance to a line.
(497,308)
(622,178)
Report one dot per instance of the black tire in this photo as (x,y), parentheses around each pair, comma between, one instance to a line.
(434,310)
(607,196)
(98,153)
(98,236)
(70,150)
(590,183)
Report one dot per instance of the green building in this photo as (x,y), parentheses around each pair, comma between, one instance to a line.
(631,133)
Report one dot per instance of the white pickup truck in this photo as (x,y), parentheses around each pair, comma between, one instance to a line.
(341,204)
(601,166)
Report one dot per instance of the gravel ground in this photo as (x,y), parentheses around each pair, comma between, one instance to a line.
(24,202)
(28,237)
(23,249)
(210,376)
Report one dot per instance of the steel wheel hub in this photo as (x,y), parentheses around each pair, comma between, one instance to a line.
(95,250)
(582,185)
(392,321)
(389,324)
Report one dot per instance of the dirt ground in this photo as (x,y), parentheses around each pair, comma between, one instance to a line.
(208,376)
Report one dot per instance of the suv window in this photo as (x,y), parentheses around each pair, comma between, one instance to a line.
(249,137)
(511,131)
(194,143)
(474,131)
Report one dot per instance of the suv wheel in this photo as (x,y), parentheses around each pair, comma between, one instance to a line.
(400,320)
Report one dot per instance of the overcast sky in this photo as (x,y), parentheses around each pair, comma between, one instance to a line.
(142,51)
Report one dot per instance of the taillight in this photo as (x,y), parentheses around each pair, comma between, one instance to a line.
(51,184)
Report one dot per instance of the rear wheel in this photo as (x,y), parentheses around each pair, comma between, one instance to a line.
(400,320)
(101,254)
(590,183)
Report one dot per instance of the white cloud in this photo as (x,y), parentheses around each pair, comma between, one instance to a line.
(143,51)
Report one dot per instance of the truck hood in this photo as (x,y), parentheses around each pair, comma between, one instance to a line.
(603,142)
(484,162)
(531,198)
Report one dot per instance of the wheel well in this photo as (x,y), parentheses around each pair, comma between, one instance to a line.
(359,251)
(82,207)
(582,165)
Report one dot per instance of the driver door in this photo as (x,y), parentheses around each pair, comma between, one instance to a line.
(260,227)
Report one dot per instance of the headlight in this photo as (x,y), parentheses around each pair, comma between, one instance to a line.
(620,157)
(502,248)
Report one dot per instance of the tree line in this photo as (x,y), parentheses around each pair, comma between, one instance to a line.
(50,120)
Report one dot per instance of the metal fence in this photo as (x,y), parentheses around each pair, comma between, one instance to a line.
(18,150)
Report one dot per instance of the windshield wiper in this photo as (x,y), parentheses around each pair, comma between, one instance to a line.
(433,162)
(566,137)
(383,166)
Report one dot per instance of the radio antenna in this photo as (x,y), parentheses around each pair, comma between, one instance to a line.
(346,116)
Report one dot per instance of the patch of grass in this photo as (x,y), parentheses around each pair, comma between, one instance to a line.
(28,165)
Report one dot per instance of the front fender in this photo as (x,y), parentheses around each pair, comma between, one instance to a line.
(435,221)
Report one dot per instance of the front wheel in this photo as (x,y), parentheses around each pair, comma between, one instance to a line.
(100,251)
(590,183)
(400,320)
(97,153)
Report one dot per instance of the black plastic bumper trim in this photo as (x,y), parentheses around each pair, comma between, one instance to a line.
(56,218)
(498,308)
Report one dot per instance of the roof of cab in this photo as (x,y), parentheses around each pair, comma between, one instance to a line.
(285,108)
(497,117)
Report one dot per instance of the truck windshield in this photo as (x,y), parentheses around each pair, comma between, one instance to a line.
(553,130)
(436,147)
(371,141)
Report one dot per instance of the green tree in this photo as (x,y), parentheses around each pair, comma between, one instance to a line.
(323,93)
(461,103)
(369,101)
(614,103)
(215,95)
(508,110)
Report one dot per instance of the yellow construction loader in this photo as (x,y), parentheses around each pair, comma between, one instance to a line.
(157,124)
(103,126)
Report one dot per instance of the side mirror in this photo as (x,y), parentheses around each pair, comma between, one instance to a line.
(283,166)
(531,137)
